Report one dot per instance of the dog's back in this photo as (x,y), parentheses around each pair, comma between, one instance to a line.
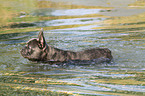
(90,54)
(96,53)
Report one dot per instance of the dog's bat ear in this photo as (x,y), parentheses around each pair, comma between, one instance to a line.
(41,40)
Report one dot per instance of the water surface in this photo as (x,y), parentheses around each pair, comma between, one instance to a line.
(74,26)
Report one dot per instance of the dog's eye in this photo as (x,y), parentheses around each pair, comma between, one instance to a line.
(30,47)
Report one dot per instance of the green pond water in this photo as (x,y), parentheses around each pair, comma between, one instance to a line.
(73,25)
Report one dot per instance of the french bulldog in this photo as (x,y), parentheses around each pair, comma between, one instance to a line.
(38,50)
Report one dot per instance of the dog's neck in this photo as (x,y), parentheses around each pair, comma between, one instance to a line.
(51,52)
(55,54)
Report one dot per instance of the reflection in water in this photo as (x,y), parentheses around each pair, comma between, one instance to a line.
(15,38)
(60,22)
(77,12)
(74,27)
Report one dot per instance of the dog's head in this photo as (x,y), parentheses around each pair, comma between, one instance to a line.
(36,48)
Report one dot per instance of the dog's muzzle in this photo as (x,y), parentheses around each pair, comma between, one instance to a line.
(25,52)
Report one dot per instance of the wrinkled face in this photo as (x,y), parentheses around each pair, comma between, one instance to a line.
(35,50)
(32,50)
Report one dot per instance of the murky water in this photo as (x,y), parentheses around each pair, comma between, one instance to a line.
(76,25)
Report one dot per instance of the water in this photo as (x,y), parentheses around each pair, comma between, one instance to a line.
(75,27)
